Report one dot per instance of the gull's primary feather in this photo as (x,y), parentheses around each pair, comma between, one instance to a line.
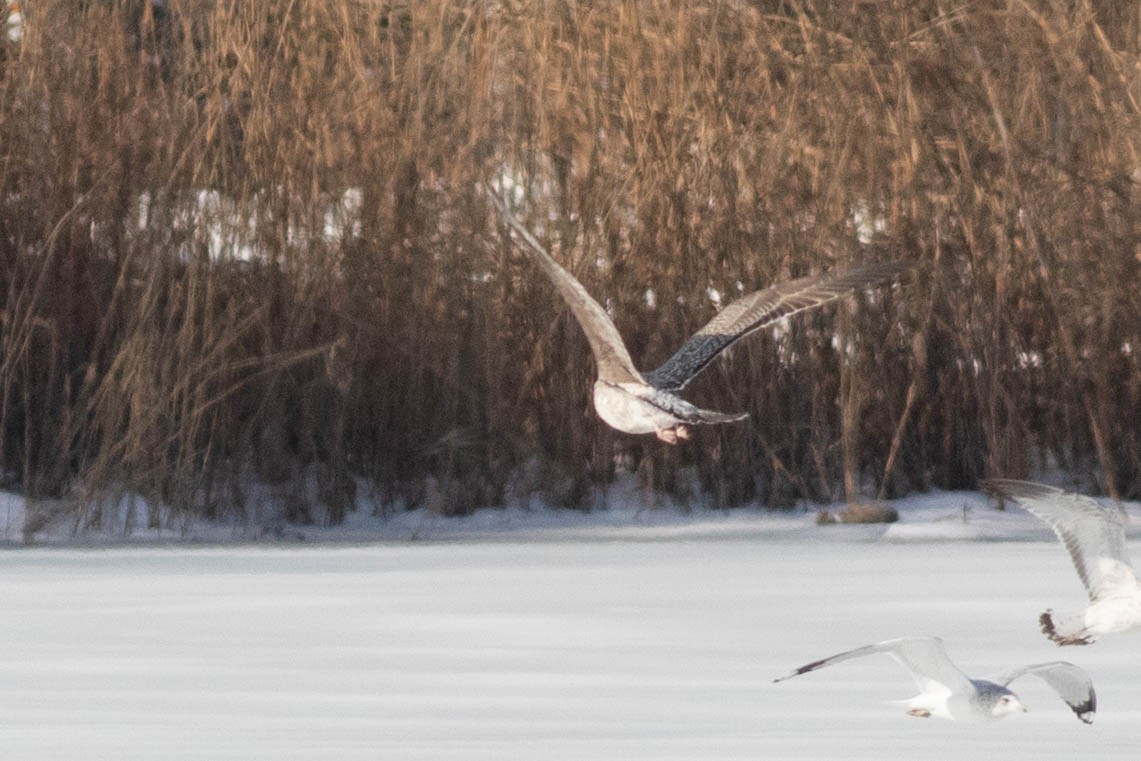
(758,310)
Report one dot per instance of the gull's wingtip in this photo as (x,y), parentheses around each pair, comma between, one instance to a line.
(1010,488)
(802,670)
(1086,709)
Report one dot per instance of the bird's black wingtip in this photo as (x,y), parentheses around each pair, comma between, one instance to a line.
(1086,710)
(802,670)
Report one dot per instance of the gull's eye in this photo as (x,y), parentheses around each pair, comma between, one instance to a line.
(1005,700)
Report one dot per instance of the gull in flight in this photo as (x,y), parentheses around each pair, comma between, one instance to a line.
(1095,537)
(947,692)
(648,402)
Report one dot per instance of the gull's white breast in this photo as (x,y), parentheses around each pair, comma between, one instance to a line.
(624,407)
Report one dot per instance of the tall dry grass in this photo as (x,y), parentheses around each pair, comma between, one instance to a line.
(245,242)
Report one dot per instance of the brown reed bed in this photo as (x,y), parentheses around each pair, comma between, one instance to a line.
(245,242)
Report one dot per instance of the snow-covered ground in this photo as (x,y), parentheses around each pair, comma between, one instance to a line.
(535,635)
(936,516)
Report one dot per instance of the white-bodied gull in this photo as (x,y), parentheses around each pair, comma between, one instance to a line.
(947,692)
(1095,537)
(648,402)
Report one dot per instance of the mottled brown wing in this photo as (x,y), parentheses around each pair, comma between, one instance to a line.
(758,309)
(614,363)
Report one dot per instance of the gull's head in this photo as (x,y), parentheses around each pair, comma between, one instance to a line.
(1002,702)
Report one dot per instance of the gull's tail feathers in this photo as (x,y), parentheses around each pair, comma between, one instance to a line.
(1070,630)
(712,417)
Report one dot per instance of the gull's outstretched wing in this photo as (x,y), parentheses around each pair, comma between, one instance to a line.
(1072,684)
(758,309)
(925,657)
(1093,534)
(610,352)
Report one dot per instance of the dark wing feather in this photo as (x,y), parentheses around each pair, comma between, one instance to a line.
(688,413)
(614,363)
(1072,684)
(758,309)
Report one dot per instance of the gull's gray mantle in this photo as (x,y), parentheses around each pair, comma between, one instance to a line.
(947,692)
(648,402)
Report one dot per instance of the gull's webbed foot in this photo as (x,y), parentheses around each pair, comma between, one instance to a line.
(673,435)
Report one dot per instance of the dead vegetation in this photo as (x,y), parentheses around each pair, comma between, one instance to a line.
(248,239)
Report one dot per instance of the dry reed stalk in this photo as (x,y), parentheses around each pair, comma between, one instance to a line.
(199,202)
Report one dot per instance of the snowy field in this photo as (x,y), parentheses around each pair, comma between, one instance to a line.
(617,636)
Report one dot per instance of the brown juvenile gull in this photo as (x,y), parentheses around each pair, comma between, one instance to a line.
(947,692)
(1095,537)
(648,402)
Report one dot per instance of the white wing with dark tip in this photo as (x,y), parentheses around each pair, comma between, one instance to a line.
(925,657)
(1092,533)
(757,310)
(1072,684)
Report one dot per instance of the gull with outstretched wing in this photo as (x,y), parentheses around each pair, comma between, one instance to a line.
(947,692)
(648,402)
